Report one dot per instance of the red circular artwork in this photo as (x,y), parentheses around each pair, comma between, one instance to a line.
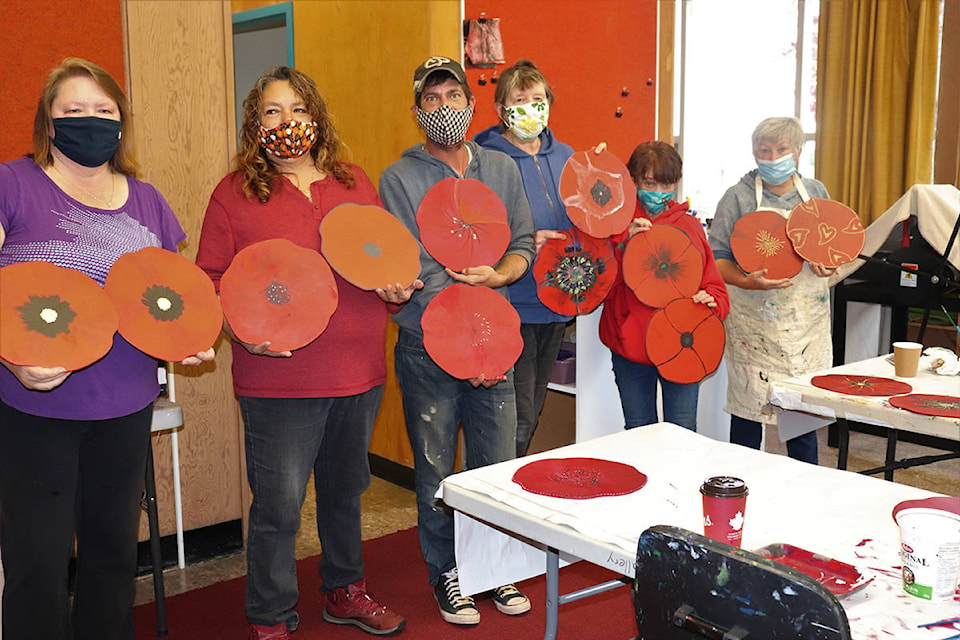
(759,241)
(168,307)
(579,478)
(278,292)
(855,385)
(929,405)
(463,223)
(52,316)
(825,232)
(368,247)
(574,274)
(598,193)
(685,341)
(471,332)
(661,264)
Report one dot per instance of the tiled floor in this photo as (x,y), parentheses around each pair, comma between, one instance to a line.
(388,508)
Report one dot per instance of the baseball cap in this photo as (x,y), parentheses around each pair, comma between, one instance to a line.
(432,64)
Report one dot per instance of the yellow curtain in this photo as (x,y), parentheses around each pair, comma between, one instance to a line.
(876,99)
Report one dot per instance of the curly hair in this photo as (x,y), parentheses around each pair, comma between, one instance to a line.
(252,161)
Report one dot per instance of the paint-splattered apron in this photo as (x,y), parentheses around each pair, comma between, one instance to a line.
(775,334)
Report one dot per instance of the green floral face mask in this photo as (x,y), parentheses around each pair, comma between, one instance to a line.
(526,121)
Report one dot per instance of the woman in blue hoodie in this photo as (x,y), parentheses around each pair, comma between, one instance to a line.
(523,98)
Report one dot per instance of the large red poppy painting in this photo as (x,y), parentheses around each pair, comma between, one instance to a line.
(825,232)
(598,193)
(759,241)
(471,332)
(685,341)
(168,306)
(574,274)
(368,247)
(51,316)
(929,404)
(579,478)
(278,292)
(661,264)
(857,385)
(463,223)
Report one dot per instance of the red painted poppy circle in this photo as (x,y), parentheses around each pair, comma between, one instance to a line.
(168,307)
(825,232)
(368,247)
(579,478)
(471,332)
(857,385)
(463,223)
(685,341)
(598,193)
(661,264)
(574,274)
(52,316)
(929,404)
(276,291)
(759,241)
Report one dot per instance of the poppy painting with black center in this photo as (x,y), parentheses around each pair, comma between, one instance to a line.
(661,264)
(685,341)
(598,193)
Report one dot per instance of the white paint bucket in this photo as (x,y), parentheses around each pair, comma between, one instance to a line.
(929,547)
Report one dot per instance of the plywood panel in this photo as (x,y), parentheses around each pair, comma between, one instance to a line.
(180,87)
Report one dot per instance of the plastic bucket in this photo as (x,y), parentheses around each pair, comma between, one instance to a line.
(929,550)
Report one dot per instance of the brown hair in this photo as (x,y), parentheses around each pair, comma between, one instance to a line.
(659,158)
(522,74)
(122,161)
(252,161)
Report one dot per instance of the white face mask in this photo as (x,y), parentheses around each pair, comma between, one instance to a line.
(527,121)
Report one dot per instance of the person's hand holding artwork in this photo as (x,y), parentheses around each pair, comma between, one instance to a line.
(637,225)
(482,381)
(38,378)
(203,356)
(758,280)
(540,238)
(702,297)
(821,271)
(396,293)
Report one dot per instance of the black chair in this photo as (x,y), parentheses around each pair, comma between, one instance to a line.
(688,586)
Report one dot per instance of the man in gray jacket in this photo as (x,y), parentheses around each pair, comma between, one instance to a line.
(435,403)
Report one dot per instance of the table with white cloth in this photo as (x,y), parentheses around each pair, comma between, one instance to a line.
(805,407)
(842,515)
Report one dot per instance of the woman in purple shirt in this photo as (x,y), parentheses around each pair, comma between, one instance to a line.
(73,445)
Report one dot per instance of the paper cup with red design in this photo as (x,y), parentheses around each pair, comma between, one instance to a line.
(724,505)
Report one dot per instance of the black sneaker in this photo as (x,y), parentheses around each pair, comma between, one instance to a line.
(510,600)
(455,607)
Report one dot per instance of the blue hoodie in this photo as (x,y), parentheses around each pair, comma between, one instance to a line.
(541,180)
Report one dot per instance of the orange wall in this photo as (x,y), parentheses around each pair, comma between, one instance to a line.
(37,36)
(588,51)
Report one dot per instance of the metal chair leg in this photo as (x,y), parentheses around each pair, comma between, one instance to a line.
(150,500)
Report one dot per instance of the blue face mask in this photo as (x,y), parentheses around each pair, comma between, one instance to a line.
(655,202)
(777,171)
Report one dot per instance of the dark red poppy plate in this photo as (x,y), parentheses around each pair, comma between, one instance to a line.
(579,478)
(929,405)
(854,385)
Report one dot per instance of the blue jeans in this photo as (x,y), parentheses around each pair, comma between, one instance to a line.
(434,406)
(749,434)
(286,439)
(637,384)
(531,373)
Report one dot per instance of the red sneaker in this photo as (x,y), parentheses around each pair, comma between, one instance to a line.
(263,632)
(354,605)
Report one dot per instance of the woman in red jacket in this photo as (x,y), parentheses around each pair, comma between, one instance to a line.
(656,168)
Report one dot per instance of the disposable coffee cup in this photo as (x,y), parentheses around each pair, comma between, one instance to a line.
(929,552)
(724,505)
(906,358)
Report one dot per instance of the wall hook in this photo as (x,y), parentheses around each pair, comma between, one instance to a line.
(624,92)
(619,113)
(482,80)
(649,82)
(494,78)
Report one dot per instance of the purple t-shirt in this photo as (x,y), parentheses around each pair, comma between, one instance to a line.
(41,222)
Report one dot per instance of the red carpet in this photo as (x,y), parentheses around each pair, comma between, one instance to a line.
(397,576)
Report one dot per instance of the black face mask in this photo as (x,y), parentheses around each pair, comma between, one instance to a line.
(88,141)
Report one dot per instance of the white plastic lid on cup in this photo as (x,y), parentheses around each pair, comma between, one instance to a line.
(930,546)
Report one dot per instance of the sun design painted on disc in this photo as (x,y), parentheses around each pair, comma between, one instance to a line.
(47,315)
(940,404)
(768,245)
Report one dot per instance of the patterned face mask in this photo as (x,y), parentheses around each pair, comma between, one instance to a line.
(290,139)
(527,121)
(446,126)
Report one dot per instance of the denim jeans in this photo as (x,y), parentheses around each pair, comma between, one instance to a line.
(57,477)
(286,439)
(637,384)
(434,406)
(750,434)
(531,373)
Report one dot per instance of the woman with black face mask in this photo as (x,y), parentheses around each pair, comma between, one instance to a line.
(73,444)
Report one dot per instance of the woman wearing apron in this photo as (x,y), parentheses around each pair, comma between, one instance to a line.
(776,328)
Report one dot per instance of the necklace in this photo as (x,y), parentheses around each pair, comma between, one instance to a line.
(108,202)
